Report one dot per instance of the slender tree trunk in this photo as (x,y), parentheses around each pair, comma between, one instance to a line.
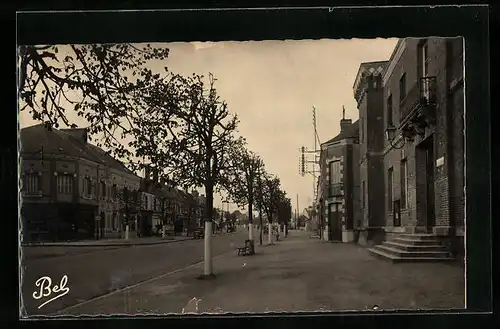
(260,225)
(209,192)
(270,226)
(127,215)
(164,220)
(250,220)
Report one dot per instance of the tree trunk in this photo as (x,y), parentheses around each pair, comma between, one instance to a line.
(208,266)
(250,220)
(260,225)
(269,233)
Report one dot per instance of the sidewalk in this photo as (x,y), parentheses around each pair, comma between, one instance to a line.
(297,274)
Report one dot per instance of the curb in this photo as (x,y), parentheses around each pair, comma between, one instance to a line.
(121,244)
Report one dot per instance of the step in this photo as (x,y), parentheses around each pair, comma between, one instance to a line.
(414,247)
(416,254)
(415,242)
(418,236)
(396,259)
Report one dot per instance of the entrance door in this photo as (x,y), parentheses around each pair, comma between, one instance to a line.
(334,223)
(429,184)
(396,208)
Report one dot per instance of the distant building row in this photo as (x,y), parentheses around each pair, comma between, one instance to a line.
(400,167)
(72,189)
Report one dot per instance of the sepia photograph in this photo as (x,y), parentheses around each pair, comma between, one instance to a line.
(239,177)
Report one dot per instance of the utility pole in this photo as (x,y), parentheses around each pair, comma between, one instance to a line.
(303,162)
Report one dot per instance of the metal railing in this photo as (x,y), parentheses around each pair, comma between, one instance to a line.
(421,94)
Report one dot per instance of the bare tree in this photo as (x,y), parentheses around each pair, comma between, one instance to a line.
(243,181)
(97,82)
(189,131)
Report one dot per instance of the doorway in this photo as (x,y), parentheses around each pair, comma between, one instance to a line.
(334,223)
(426,150)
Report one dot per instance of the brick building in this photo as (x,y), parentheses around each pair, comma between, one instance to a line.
(424,161)
(70,189)
(179,210)
(412,148)
(338,184)
(368,92)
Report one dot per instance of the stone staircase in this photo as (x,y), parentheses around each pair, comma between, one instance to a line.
(412,248)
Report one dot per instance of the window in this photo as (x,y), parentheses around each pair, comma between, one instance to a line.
(363,193)
(389,111)
(65,184)
(31,183)
(87,186)
(114,192)
(334,178)
(404,183)
(103,189)
(424,57)
(402,87)
(389,188)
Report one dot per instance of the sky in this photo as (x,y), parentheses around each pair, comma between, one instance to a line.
(272,86)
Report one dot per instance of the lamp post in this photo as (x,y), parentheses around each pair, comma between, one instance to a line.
(390,135)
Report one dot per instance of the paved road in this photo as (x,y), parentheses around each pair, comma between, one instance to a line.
(96,273)
(298,274)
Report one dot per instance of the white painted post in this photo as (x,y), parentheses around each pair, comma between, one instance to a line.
(126,231)
(250,231)
(208,249)
(269,233)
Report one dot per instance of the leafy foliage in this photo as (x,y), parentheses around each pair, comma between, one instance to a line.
(242,185)
(99,83)
(271,196)
(285,210)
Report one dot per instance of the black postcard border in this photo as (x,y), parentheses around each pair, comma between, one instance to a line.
(306,23)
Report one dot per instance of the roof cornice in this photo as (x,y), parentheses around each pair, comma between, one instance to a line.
(395,56)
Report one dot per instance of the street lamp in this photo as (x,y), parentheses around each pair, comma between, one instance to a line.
(390,135)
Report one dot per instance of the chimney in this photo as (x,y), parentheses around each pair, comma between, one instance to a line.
(78,133)
(344,123)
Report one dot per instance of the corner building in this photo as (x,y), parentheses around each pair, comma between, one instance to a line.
(424,158)
(338,185)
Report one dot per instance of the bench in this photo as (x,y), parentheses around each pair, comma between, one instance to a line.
(247,250)
(198,234)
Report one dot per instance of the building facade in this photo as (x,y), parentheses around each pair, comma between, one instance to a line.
(424,157)
(70,189)
(338,185)
(368,92)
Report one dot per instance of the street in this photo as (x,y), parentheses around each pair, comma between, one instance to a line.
(297,274)
(91,274)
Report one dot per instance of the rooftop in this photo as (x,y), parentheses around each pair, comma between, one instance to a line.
(63,142)
(350,132)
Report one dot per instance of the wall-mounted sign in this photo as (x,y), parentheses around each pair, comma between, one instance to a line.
(439,162)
